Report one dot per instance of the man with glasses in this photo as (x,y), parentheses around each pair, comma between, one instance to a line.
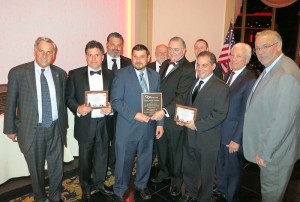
(271,128)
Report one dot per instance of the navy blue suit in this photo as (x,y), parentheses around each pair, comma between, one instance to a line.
(132,136)
(229,166)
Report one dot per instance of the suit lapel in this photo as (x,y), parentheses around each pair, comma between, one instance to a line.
(30,75)
(105,79)
(57,84)
(135,78)
(151,80)
(238,79)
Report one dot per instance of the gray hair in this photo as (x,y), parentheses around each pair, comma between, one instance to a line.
(177,38)
(247,47)
(45,39)
(275,34)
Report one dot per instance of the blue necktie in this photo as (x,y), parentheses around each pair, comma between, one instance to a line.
(46,102)
(143,83)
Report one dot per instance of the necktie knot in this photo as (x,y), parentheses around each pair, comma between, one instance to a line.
(95,72)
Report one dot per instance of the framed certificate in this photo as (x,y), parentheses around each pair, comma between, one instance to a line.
(96,99)
(185,113)
(151,103)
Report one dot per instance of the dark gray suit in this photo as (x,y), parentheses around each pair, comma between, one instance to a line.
(132,136)
(271,127)
(229,165)
(173,87)
(22,94)
(201,146)
(90,132)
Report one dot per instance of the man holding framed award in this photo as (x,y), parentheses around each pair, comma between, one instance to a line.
(135,131)
(210,96)
(87,98)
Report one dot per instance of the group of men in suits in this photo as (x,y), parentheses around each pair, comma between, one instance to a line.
(240,117)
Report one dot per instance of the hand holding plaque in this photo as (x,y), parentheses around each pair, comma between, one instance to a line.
(185,113)
(151,103)
(96,99)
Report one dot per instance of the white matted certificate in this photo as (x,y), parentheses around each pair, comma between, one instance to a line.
(185,113)
(96,99)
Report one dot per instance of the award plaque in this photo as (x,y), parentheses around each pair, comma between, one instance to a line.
(96,99)
(185,113)
(151,103)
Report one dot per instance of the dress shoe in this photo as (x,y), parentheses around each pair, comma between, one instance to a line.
(86,197)
(175,191)
(156,180)
(187,198)
(118,198)
(145,193)
(105,190)
(218,195)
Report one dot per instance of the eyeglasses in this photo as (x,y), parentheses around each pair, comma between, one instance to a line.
(265,47)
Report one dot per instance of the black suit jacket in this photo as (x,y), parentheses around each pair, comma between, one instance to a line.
(77,84)
(174,86)
(232,127)
(124,61)
(212,102)
(152,65)
(217,71)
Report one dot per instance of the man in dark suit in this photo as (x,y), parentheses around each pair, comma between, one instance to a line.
(230,157)
(135,131)
(210,96)
(271,128)
(36,117)
(177,76)
(113,60)
(202,45)
(161,54)
(90,125)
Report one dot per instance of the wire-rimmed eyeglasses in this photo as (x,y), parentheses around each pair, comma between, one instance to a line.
(264,47)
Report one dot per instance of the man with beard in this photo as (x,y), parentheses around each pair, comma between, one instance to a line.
(113,60)
(135,131)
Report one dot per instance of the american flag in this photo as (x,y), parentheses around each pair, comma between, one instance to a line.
(224,57)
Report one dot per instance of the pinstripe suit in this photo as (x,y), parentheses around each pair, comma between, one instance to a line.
(34,140)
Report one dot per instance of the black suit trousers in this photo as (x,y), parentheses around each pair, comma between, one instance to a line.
(93,155)
(198,171)
(170,147)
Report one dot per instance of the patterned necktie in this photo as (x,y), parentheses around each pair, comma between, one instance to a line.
(115,66)
(46,101)
(230,78)
(143,83)
(93,72)
(196,90)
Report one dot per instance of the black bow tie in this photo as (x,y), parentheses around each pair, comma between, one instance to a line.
(97,72)
(172,63)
